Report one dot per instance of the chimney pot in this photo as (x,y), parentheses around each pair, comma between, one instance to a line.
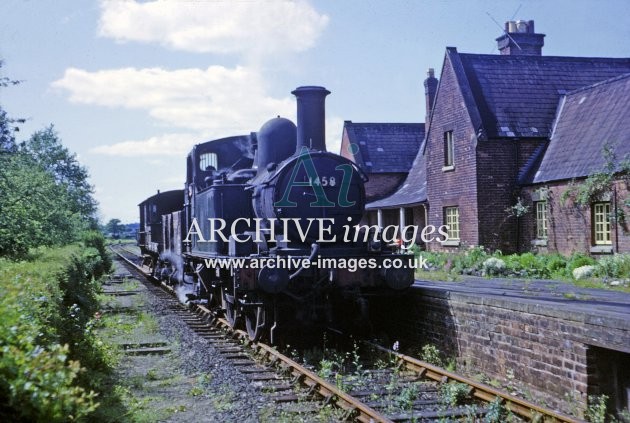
(520,39)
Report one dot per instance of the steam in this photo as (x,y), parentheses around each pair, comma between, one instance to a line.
(174,274)
(244,147)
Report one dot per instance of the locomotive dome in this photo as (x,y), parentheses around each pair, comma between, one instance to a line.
(277,139)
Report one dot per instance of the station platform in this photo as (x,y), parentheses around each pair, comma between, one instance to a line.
(561,296)
(560,341)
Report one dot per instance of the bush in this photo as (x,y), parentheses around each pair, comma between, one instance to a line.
(556,265)
(578,260)
(46,309)
(615,266)
(471,260)
(493,267)
(96,241)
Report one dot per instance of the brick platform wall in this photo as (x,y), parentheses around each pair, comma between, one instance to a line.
(552,354)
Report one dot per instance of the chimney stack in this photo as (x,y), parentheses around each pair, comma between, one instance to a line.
(519,39)
(311,117)
(430,89)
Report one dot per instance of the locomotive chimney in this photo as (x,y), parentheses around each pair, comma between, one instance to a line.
(311,116)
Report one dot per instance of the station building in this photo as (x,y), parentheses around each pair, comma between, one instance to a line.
(521,152)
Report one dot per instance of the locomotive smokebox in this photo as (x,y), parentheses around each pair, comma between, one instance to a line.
(311,117)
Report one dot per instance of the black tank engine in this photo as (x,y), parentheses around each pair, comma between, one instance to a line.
(267,229)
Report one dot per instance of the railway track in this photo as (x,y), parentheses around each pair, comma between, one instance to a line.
(408,390)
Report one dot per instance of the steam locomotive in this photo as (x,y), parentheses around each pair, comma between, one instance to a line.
(267,229)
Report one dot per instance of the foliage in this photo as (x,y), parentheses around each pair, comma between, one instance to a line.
(113,227)
(518,210)
(46,340)
(493,266)
(600,183)
(596,410)
(496,412)
(615,266)
(454,393)
(7,124)
(407,396)
(431,354)
(47,151)
(578,260)
(44,196)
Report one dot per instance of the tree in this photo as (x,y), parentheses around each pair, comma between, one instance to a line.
(45,197)
(7,128)
(45,148)
(113,227)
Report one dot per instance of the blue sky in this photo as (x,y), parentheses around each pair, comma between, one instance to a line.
(131,86)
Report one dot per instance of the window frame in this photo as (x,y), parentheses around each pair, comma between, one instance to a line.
(601,224)
(450,218)
(208,159)
(541,220)
(449,151)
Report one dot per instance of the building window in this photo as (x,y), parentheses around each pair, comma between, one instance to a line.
(601,223)
(541,219)
(451,219)
(449,152)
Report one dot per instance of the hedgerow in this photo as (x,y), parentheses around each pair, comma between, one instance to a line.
(48,354)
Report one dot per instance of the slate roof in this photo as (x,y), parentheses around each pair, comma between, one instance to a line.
(517,96)
(385,147)
(587,120)
(412,192)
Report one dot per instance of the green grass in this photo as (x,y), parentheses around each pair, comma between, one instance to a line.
(46,307)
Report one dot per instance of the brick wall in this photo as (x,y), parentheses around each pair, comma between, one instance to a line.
(569,226)
(496,184)
(381,185)
(553,355)
(456,187)
(499,163)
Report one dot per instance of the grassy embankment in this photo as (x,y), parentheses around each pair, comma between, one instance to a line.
(52,366)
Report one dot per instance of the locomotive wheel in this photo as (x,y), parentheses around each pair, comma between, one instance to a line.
(230,309)
(255,321)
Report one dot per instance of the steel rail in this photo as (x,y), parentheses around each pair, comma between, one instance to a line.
(354,408)
(518,406)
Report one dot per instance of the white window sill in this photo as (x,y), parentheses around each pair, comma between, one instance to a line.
(602,249)
(539,242)
(451,243)
(448,168)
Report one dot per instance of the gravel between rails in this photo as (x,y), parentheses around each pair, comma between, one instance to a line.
(202,386)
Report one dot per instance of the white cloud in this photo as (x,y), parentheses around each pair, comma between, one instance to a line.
(208,103)
(177,145)
(259,27)
(216,101)
(334,128)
